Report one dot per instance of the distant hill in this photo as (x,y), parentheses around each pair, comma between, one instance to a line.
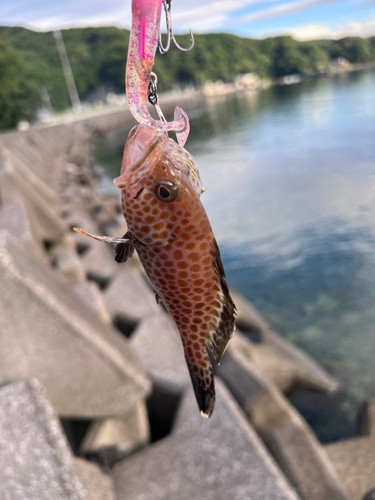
(29,62)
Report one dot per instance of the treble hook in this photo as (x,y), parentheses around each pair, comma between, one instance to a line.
(163,50)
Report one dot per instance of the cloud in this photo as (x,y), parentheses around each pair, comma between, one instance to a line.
(48,15)
(202,16)
(316,31)
(285,9)
(198,14)
(60,22)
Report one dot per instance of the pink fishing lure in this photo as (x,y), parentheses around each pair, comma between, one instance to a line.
(144,39)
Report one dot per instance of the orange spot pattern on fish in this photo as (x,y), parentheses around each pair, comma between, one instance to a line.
(180,254)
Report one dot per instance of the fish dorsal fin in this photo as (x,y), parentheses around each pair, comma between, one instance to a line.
(184,162)
(224,329)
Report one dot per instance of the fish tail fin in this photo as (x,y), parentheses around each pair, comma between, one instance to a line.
(203,381)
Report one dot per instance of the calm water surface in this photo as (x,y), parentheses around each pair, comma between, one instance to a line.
(290,176)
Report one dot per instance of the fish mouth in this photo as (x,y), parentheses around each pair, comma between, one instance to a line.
(139,193)
(149,150)
(136,156)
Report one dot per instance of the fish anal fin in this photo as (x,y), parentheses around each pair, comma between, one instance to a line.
(124,251)
(202,379)
(224,328)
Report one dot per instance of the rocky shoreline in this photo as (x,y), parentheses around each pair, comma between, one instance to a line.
(95,397)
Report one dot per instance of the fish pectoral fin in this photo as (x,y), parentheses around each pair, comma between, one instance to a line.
(123,252)
(202,379)
(125,249)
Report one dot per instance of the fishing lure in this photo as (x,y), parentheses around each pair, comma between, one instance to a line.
(170,230)
(144,39)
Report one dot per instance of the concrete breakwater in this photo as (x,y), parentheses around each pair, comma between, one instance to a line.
(96,401)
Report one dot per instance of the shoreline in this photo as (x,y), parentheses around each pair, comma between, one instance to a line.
(169,100)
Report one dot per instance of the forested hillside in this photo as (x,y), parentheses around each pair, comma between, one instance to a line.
(29,62)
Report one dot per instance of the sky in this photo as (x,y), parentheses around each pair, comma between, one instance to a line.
(303,19)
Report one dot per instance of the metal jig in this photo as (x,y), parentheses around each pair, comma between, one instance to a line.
(163,50)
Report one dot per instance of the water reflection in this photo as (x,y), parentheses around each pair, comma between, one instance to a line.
(290,173)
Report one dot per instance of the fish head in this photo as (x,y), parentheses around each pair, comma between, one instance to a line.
(142,148)
(160,187)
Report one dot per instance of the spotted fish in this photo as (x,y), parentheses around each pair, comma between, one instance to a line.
(171,233)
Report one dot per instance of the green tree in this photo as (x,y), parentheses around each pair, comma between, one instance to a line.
(98,57)
(354,49)
(17,91)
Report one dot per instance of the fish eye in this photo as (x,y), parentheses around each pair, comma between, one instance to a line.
(166,191)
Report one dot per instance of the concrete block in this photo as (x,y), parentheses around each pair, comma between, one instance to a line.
(241,344)
(217,459)
(78,191)
(23,166)
(13,218)
(366,419)
(69,195)
(43,150)
(354,459)
(287,366)
(79,218)
(158,345)
(263,403)
(107,209)
(97,484)
(98,259)
(87,367)
(99,263)
(35,460)
(303,459)
(40,202)
(116,227)
(65,243)
(248,317)
(304,463)
(275,358)
(122,435)
(69,264)
(128,297)
(91,295)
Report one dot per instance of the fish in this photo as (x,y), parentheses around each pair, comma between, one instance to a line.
(170,231)
(144,40)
